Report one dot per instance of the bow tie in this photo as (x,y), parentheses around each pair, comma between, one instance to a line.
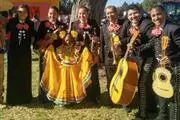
(22,26)
(132,30)
(50,25)
(113,27)
(156,31)
(84,26)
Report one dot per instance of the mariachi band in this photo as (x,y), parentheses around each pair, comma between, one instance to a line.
(140,54)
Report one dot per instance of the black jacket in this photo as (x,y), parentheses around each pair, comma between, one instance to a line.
(145,26)
(172,31)
(105,42)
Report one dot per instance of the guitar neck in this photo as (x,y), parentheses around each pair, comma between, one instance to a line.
(163,54)
(132,40)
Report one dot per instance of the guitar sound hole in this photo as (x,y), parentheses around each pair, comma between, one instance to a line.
(162,77)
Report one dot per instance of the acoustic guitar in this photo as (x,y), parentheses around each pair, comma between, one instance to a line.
(124,82)
(162,76)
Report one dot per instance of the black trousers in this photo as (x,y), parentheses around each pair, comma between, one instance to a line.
(147,101)
(42,94)
(174,102)
(110,71)
(93,91)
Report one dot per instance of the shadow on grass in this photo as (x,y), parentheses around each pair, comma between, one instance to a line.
(104,101)
(35,103)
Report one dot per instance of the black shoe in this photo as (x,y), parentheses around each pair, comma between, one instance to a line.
(95,100)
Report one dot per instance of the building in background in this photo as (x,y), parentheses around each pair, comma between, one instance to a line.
(37,7)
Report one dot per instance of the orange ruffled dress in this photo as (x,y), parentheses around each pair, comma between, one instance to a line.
(66,74)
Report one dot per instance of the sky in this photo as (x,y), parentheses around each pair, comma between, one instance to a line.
(120,2)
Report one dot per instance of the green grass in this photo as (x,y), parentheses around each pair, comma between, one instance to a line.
(83,111)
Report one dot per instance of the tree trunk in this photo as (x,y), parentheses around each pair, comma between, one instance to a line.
(96,8)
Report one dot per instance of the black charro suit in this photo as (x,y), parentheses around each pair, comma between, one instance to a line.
(173,52)
(145,60)
(106,54)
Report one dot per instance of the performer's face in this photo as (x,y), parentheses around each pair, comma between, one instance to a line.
(83,14)
(134,16)
(111,14)
(157,16)
(52,15)
(22,13)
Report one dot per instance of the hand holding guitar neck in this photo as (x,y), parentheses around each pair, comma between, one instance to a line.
(164,61)
(130,47)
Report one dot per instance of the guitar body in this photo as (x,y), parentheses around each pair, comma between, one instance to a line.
(124,82)
(161,84)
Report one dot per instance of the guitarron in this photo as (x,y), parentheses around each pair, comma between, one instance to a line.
(124,82)
(162,76)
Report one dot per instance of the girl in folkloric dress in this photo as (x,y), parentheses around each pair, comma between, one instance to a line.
(89,32)
(19,31)
(67,71)
(43,40)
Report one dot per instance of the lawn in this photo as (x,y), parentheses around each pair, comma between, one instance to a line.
(83,111)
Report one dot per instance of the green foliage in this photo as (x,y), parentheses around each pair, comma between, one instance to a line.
(65,6)
(147,4)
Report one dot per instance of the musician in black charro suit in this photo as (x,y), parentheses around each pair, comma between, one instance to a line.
(112,25)
(144,59)
(163,27)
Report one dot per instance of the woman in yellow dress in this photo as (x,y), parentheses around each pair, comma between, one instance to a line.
(67,71)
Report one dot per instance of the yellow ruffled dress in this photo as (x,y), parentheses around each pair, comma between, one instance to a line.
(66,74)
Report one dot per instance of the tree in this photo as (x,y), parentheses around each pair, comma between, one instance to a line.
(96,8)
(65,6)
(147,4)
(122,9)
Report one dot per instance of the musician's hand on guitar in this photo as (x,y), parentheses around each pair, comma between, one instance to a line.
(164,60)
(131,48)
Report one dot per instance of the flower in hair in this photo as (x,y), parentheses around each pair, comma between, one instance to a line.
(74,34)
